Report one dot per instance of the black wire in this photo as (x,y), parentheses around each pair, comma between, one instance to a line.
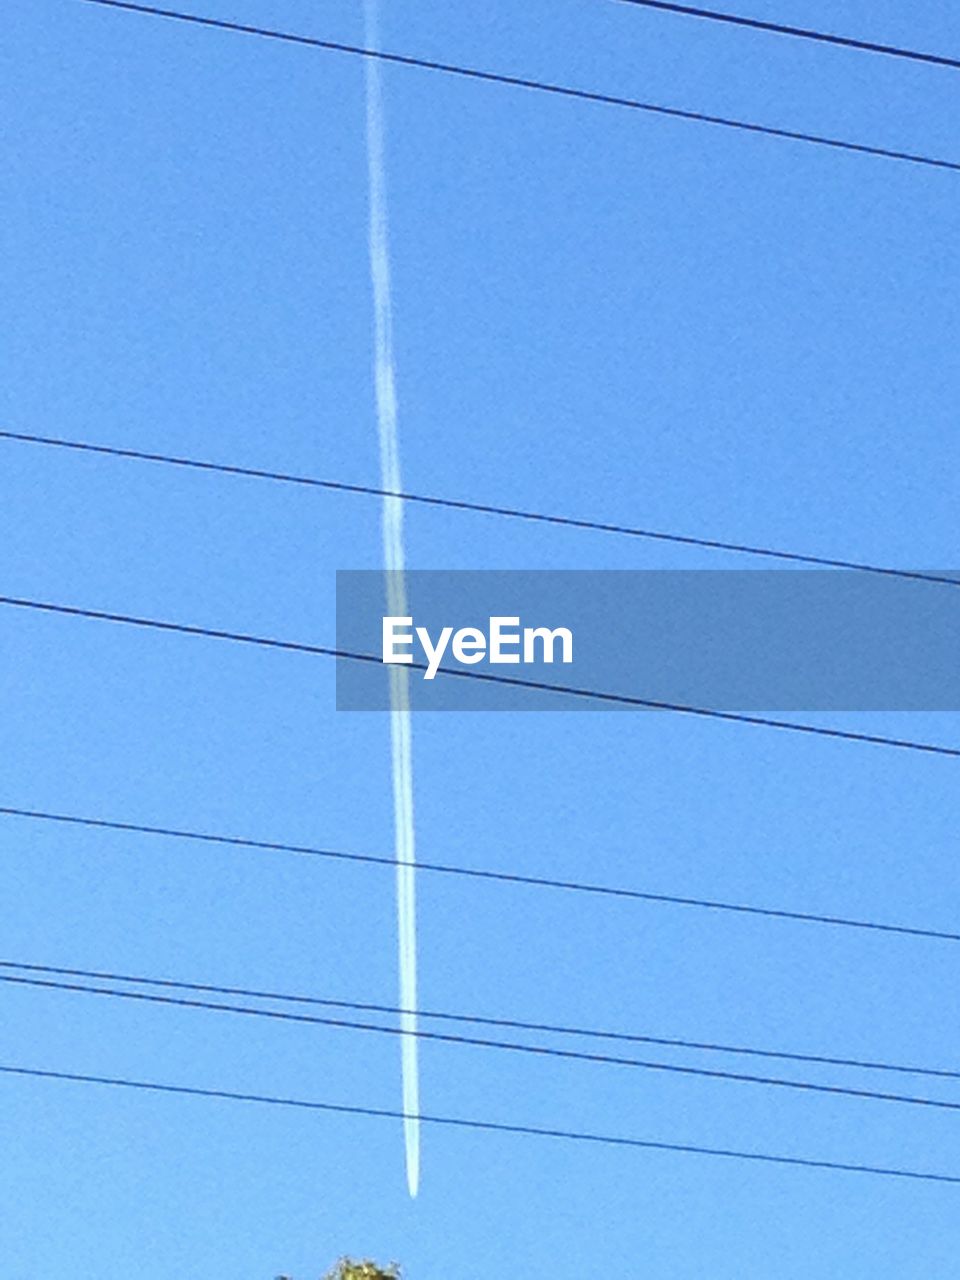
(476,873)
(539,686)
(480,1042)
(804,33)
(482,508)
(489,1126)
(521,82)
(509,1023)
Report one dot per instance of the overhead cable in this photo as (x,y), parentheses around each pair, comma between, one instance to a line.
(802,33)
(480,1042)
(622,892)
(490,1126)
(541,86)
(513,1024)
(609,698)
(480,508)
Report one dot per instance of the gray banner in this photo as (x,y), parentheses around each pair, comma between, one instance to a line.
(749,641)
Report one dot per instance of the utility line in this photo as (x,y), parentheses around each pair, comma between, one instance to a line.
(489,1126)
(542,86)
(481,508)
(538,686)
(478,873)
(803,33)
(512,1024)
(480,1042)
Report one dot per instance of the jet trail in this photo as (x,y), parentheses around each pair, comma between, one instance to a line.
(396,592)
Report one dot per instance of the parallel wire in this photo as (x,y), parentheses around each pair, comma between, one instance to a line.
(481,1042)
(542,86)
(537,686)
(481,508)
(489,1126)
(517,82)
(803,33)
(478,873)
(513,1024)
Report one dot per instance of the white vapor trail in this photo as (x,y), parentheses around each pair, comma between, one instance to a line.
(394,564)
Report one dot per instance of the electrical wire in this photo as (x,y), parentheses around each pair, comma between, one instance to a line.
(116,1082)
(542,86)
(479,873)
(489,1126)
(481,508)
(480,1042)
(538,686)
(803,33)
(512,1024)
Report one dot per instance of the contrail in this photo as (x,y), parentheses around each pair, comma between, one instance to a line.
(390,479)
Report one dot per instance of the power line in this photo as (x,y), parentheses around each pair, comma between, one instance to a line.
(538,686)
(477,873)
(481,508)
(481,1042)
(489,1126)
(522,82)
(477,1019)
(803,33)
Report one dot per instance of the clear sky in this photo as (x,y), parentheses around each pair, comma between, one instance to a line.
(597,312)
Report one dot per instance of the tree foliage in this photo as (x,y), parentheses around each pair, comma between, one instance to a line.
(347,1269)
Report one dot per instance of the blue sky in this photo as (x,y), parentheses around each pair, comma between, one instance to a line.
(598,313)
